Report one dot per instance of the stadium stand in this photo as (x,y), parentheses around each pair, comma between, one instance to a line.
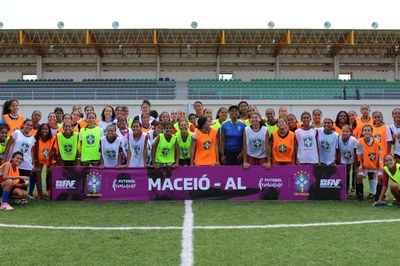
(88,89)
(292,89)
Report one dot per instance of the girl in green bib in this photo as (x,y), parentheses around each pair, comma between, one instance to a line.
(67,142)
(391,171)
(165,149)
(90,142)
(184,139)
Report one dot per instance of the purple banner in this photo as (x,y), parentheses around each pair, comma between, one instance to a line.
(215,182)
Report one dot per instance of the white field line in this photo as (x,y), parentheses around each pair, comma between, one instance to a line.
(187,235)
(211,227)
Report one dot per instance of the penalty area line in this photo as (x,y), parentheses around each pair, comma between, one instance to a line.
(211,227)
(269,226)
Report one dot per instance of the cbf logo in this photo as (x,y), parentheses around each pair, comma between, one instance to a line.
(282,148)
(301,181)
(93,181)
(207,145)
(325,145)
(24,147)
(378,136)
(347,154)
(257,143)
(45,153)
(111,153)
(165,151)
(137,150)
(184,152)
(68,148)
(308,142)
(372,156)
(90,139)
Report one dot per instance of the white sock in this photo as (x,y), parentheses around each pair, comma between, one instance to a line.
(372,186)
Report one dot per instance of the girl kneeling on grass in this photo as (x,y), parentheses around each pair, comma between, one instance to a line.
(23,141)
(392,172)
(11,182)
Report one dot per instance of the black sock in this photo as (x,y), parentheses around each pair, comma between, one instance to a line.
(378,192)
(360,191)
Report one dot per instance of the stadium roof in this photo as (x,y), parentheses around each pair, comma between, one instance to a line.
(199,42)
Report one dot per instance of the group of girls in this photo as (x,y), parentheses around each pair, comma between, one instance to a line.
(238,135)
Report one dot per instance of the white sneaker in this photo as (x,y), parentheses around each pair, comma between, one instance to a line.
(6,207)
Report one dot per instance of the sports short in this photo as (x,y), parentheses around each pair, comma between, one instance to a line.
(365,173)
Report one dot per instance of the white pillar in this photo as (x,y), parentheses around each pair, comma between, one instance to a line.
(98,72)
(218,70)
(158,66)
(396,67)
(277,68)
(39,67)
(336,67)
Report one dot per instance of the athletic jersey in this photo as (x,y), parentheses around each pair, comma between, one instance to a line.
(44,149)
(271,128)
(233,135)
(216,124)
(395,176)
(147,129)
(346,149)
(396,130)
(165,152)
(54,130)
(125,140)
(369,153)
(90,146)
(150,140)
(104,125)
(205,147)
(11,172)
(357,131)
(3,146)
(184,146)
(130,122)
(283,146)
(13,123)
(337,129)
(23,144)
(136,147)
(383,135)
(110,151)
(327,146)
(67,147)
(255,142)
(307,151)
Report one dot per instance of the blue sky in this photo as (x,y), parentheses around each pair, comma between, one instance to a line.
(28,14)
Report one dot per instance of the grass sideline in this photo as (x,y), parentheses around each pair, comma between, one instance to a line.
(330,245)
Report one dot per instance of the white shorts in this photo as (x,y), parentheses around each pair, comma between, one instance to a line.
(376,173)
